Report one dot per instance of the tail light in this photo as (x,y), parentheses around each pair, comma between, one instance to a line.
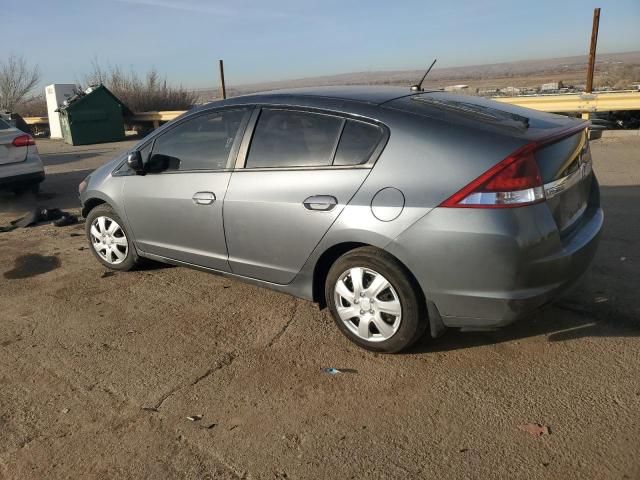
(23,141)
(514,182)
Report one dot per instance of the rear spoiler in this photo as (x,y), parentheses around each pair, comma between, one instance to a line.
(559,134)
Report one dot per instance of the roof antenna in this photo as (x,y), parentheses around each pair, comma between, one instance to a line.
(418,86)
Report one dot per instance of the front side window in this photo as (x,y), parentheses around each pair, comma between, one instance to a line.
(201,143)
(285,138)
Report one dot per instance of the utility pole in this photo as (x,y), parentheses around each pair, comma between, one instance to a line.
(224,89)
(592,50)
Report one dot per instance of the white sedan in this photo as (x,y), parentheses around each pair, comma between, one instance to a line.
(21,168)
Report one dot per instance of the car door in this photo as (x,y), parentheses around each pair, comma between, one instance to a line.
(175,209)
(300,170)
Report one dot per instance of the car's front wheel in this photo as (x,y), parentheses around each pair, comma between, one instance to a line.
(374,302)
(109,240)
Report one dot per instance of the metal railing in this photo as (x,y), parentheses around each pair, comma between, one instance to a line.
(578,102)
(584,103)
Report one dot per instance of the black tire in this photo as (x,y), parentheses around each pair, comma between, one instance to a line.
(413,318)
(131,259)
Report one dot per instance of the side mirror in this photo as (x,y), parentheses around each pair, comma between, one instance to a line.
(134,160)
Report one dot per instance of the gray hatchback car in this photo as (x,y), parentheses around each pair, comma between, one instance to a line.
(400,211)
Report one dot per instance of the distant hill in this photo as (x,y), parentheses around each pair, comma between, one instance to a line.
(610,69)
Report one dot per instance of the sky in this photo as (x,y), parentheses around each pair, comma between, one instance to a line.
(285,39)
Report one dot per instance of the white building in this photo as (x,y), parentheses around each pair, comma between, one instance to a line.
(455,88)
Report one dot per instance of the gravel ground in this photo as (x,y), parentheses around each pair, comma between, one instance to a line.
(99,371)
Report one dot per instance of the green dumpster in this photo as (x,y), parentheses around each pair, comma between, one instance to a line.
(94,116)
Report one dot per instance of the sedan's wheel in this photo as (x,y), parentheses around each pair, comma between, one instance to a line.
(367,304)
(108,239)
(374,300)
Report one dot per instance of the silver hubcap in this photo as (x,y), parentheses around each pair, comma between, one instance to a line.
(108,240)
(367,304)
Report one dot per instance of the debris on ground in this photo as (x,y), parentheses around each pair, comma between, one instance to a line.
(59,218)
(107,274)
(331,371)
(535,429)
(335,371)
(66,220)
(195,418)
(65,410)
(150,409)
(76,234)
(209,426)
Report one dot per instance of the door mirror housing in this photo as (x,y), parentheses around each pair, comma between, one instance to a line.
(134,160)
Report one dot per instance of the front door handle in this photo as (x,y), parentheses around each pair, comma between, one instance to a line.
(204,198)
(320,203)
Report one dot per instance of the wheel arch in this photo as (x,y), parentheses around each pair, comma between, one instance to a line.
(90,204)
(328,258)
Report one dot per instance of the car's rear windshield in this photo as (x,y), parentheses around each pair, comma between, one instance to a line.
(4,125)
(475,110)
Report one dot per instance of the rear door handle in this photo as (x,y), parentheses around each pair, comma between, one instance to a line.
(204,198)
(320,203)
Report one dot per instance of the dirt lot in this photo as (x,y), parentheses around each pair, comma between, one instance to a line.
(99,371)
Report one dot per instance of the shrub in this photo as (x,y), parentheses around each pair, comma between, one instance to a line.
(150,93)
(32,107)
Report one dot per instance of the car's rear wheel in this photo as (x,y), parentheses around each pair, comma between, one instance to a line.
(374,302)
(108,239)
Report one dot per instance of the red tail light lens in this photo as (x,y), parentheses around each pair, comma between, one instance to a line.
(23,141)
(514,182)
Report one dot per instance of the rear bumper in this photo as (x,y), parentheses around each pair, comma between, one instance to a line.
(488,268)
(29,171)
(551,275)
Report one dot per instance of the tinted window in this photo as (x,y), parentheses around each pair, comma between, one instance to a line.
(357,143)
(293,139)
(202,143)
(4,125)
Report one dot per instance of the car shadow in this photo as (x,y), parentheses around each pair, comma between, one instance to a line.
(59,190)
(606,303)
(559,322)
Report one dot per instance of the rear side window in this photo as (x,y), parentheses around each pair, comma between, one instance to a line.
(357,143)
(4,125)
(285,138)
(201,143)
